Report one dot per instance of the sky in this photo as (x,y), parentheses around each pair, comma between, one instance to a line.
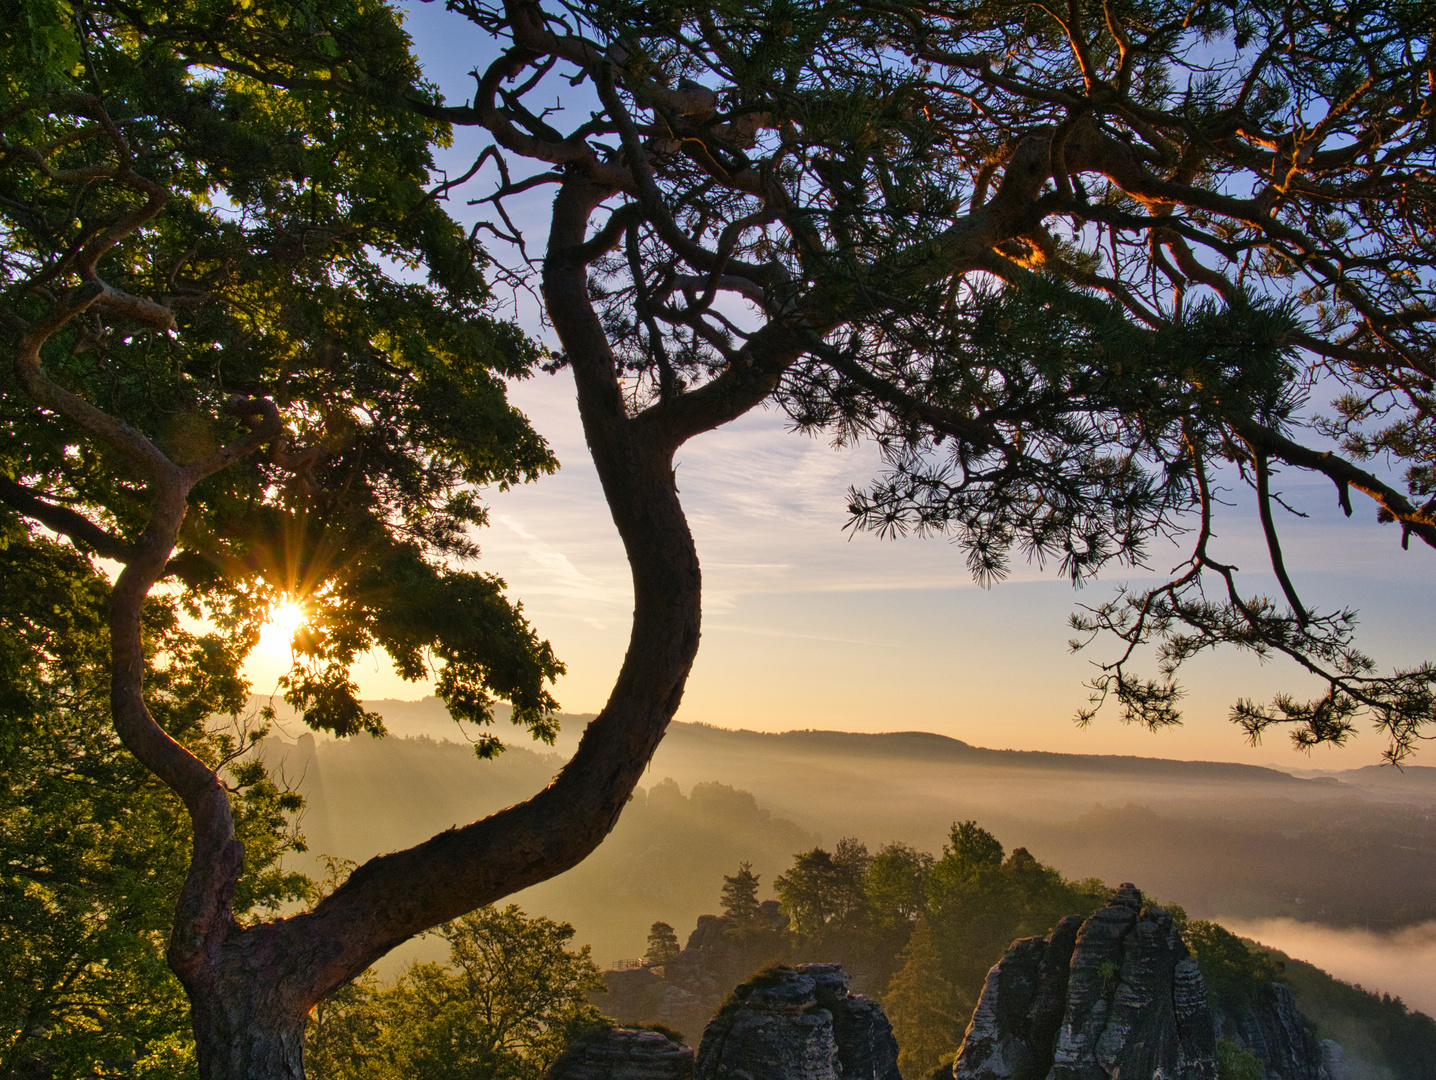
(807,625)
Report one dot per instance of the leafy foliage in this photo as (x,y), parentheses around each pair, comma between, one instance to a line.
(92,848)
(508,1002)
(978,903)
(1234,1063)
(264,245)
(1233,973)
(1375,1027)
(897,884)
(823,890)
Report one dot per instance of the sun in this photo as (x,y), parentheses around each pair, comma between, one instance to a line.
(284,619)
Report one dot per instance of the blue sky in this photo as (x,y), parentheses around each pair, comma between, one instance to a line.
(806,625)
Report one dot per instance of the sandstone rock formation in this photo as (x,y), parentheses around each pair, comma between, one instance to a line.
(1272,1028)
(1120,996)
(1116,995)
(1333,1061)
(640,996)
(798,1023)
(720,953)
(624,1054)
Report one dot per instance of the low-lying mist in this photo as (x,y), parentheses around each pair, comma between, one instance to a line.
(1252,847)
(1401,963)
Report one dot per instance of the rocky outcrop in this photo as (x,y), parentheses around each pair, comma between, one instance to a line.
(1333,1061)
(641,996)
(623,1054)
(1273,1028)
(720,953)
(798,1023)
(1118,995)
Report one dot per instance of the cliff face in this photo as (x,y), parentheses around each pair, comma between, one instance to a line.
(1120,995)
(623,1054)
(798,1024)
(1116,995)
(1273,1029)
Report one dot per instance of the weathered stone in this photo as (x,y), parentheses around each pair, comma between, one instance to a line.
(624,1054)
(1120,996)
(1117,996)
(640,996)
(798,1024)
(1014,1027)
(1273,1028)
(1333,1061)
(998,1043)
(866,1047)
(1091,983)
(1049,1006)
(720,953)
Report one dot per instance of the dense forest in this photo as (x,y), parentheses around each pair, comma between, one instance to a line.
(497,993)
(920,932)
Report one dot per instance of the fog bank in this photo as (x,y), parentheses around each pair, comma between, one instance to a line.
(1400,962)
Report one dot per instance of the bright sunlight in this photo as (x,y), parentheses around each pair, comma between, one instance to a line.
(284,620)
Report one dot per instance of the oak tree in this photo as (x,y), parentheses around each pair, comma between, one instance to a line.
(508,1001)
(93,848)
(249,358)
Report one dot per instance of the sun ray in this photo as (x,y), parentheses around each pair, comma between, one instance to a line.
(285,619)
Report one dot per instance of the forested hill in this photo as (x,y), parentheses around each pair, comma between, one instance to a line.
(928,748)
(427,716)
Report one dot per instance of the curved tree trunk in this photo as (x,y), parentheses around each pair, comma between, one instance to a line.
(252,988)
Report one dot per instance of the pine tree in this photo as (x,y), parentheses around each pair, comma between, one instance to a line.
(740,895)
(662,945)
(923,1006)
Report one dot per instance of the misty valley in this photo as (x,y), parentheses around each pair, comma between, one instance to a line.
(913,861)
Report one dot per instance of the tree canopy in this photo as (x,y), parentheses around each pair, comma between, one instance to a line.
(251,359)
(506,1004)
(93,852)
(1073,267)
(260,268)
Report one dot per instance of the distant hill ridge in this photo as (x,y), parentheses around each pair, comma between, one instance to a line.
(431,718)
(931,747)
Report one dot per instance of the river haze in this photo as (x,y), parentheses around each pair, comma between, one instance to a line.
(1400,962)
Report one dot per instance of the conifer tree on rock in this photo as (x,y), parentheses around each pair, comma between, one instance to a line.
(740,895)
(662,945)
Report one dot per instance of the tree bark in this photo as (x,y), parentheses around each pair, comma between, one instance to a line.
(239,1035)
